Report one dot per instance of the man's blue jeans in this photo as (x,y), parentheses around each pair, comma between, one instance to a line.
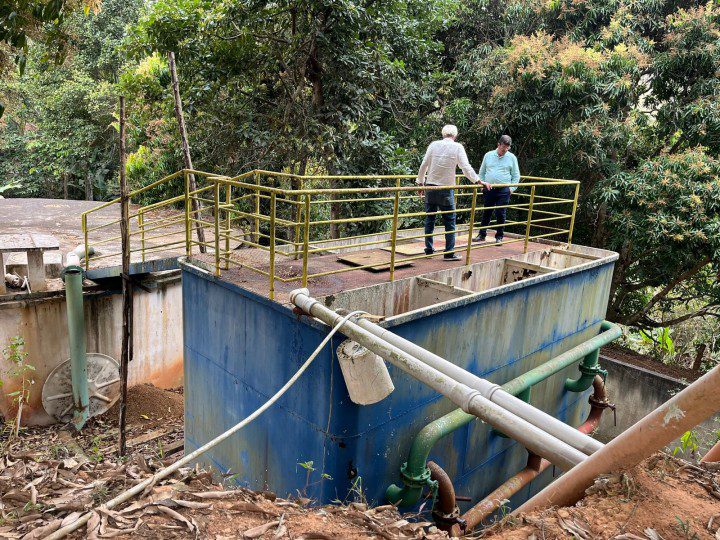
(492,198)
(440,200)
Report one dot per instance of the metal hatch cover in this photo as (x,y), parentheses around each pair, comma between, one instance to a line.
(103,387)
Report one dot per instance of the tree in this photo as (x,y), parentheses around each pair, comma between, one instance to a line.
(622,96)
(58,135)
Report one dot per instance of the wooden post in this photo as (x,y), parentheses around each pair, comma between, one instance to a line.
(127,291)
(186,148)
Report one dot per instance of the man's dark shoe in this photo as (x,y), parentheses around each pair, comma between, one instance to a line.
(478,239)
(452,257)
(429,252)
(498,241)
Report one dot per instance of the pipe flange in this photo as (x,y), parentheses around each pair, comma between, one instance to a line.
(445,522)
(73,269)
(600,403)
(419,481)
(593,370)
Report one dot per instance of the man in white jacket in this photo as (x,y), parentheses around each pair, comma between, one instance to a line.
(442,159)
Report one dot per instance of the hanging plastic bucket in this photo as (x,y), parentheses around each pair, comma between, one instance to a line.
(365,373)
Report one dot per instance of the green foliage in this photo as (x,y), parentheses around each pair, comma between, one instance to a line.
(620,95)
(20,374)
(58,125)
(688,443)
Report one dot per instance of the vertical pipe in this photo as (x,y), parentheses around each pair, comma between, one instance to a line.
(228,199)
(188,227)
(216,209)
(574,210)
(306,240)
(393,232)
(272,246)
(471,226)
(530,209)
(257,208)
(76,337)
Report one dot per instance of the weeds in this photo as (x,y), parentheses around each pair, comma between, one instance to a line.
(686,529)
(689,442)
(14,353)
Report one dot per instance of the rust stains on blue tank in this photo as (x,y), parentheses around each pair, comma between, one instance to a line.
(241,348)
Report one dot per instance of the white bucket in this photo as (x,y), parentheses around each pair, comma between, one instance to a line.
(365,373)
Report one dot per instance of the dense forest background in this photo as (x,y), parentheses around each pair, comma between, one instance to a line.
(623,95)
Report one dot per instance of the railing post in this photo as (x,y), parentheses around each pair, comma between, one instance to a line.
(306,241)
(393,233)
(257,208)
(188,221)
(85,236)
(471,226)
(217,226)
(272,246)
(529,219)
(574,210)
(228,199)
(141,225)
(298,214)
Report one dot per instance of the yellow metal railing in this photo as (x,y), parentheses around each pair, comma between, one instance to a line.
(299,217)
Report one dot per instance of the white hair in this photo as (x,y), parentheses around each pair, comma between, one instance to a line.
(449,131)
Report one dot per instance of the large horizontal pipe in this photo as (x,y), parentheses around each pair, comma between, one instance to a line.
(470,400)
(681,413)
(492,391)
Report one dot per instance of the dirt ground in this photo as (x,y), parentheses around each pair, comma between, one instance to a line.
(663,498)
(647,362)
(49,477)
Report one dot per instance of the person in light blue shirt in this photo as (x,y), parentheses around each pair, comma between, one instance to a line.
(499,166)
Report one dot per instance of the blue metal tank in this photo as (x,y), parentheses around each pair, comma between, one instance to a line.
(240,348)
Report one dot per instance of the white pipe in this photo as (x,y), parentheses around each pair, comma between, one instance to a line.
(489,390)
(470,400)
(164,473)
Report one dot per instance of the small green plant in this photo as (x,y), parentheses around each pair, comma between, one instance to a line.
(660,338)
(96,454)
(356,491)
(688,443)
(100,494)
(686,529)
(15,354)
(308,466)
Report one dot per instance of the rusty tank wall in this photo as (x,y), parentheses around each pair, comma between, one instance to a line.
(240,348)
(42,322)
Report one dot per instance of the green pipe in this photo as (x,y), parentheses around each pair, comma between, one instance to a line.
(73,276)
(414,472)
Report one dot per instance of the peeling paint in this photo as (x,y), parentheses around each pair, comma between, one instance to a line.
(673,413)
(239,348)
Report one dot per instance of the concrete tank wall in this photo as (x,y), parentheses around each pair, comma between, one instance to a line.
(637,392)
(157,339)
(240,348)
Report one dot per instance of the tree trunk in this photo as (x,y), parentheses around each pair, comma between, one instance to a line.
(196,206)
(126,352)
(65,185)
(88,186)
(699,353)
(334,214)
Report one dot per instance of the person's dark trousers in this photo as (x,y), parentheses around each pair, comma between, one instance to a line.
(491,198)
(440,200)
